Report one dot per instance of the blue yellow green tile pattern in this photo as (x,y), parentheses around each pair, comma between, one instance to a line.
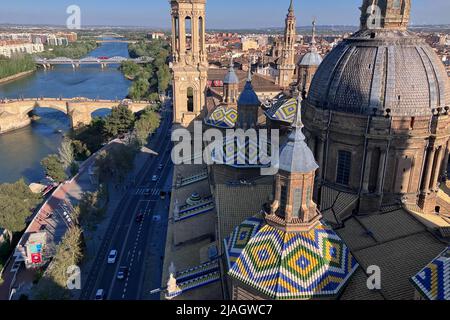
(283,110)
(287,265)
(251,153)
(222,117)
(433,281)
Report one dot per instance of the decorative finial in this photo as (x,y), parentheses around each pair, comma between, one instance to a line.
(297,124)
(249,76)
(291,7)
(173,289)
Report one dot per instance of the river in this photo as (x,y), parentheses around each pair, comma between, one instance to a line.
(22,150)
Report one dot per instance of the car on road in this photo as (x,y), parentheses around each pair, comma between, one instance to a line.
(139,217)
(160,167)
(123,273)
(100,294)
(112,257)
(155,178)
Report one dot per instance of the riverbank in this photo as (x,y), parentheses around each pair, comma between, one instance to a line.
(8,124)
(17,76)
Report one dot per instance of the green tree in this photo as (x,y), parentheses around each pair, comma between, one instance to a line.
(16,204)
(54,168)
(146,125)
(139,89)
(163,77)
(65,153)
(117,162)
(92,136)
(16,64)
(80,150)
(120,121)
(68,253)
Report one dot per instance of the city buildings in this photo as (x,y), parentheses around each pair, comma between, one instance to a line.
(365,136)
(9,48)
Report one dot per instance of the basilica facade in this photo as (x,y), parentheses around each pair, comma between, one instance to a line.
(364,145)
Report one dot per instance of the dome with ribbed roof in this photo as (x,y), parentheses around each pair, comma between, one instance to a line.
(386,69)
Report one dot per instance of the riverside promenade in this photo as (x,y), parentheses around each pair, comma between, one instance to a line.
(55,225)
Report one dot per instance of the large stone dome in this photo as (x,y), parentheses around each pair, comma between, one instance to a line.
(383,69)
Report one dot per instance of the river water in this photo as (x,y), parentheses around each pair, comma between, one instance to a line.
(22,150)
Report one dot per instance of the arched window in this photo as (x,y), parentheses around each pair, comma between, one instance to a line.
(188,30)
(176,25)
(190,100)
(200,33)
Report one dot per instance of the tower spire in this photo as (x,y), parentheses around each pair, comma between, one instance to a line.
(291,6)
(313,38)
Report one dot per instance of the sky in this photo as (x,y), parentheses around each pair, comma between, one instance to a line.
(221,14)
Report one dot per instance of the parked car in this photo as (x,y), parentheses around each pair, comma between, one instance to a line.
(112,257)
(139,217)
(123,273)
(99,295)
(155,178)
(160,167)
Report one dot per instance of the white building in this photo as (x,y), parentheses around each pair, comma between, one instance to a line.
(10,49)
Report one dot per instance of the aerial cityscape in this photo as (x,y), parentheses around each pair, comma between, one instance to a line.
(288,150)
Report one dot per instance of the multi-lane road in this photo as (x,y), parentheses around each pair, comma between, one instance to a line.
(136,241)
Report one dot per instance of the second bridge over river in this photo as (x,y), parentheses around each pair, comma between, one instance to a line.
(101,61)
(15,114)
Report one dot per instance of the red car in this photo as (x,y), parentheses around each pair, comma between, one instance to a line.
(103,58)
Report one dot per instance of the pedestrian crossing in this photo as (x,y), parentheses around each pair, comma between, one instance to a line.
(147,191)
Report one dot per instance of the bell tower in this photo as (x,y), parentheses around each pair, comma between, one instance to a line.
(385,14)
(287,59)
(190,63)
(293,209)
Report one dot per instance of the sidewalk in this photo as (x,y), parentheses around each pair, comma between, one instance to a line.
(56,226)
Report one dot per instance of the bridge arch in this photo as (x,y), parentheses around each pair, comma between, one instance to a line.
(15,113)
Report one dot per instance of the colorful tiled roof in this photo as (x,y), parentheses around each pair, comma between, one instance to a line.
(283,110)
(433,281)
(222,117)
(287,265)
(248,154)
(196,277)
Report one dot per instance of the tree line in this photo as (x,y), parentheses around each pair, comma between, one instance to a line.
(16,64)
(74,50)
(151,79)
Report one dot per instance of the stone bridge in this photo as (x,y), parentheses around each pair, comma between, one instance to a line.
(15,114)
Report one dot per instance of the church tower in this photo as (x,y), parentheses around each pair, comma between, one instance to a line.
(248,106)
(293,208)
(231,86)
(287,59)
(385,14)
(190,64)
(308,65)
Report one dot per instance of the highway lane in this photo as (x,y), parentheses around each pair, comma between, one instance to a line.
(137,241)
(123,224)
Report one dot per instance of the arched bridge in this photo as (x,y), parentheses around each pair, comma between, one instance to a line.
(14,114)
(101,61)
